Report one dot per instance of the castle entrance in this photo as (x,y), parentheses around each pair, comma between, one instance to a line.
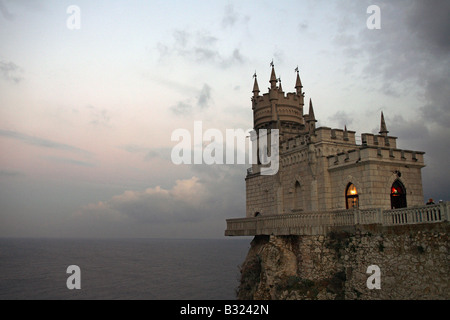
(398,195)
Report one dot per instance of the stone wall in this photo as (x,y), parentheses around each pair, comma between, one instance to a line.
(413,260)
(261,195)
(311,180)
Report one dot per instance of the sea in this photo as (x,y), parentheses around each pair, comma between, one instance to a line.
(121,269)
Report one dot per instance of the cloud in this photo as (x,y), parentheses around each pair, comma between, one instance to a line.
(184,202)
(40,142)
(437,94)
(205,97)
(413,39)
(11,173)
(199,47)
(302,27)
(230,16)
(99,117)
(408,57)
(212,194)
(182,108)
(341,118)
(11,72)
(148,153)
(5,12)
(431,26)
(185,107)
(411,132)
(71,161)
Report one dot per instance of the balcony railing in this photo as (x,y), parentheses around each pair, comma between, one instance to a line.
(311,223)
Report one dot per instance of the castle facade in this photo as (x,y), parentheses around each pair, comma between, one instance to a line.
(325,169)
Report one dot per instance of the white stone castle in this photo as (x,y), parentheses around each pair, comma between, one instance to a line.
(324,170)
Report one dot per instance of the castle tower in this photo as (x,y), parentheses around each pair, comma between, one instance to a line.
(277,110)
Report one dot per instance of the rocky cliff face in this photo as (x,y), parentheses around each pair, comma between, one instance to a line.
(413,263)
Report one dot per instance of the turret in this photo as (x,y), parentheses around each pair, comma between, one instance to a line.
(277,109)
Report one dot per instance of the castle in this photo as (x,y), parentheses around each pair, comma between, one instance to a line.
(325,170)
(336,209)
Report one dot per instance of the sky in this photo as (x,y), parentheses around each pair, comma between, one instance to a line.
(86,114)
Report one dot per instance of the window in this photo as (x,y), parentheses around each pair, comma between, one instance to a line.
(298,200)
(351,197)
(398,195)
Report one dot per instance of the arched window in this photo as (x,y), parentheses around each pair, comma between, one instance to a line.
(398,195)
(351,197)
(298,197)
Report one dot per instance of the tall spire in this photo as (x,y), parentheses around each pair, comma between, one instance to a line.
(345,133)
(255,86)
(298,83)
(311,111)
(311,120)
(273,77)
(383,129)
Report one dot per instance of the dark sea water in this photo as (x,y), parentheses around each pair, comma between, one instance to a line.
(122,269)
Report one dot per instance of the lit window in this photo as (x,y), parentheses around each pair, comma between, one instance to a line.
(351,197)
(398,195)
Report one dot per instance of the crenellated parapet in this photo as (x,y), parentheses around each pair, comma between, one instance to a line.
(376,154)
(277,106)
(378,140)
(325,134)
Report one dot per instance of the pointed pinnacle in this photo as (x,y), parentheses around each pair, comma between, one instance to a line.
(383,129)
(311,111)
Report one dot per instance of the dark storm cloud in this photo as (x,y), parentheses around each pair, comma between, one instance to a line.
(437,94)
(40,142)
(410,55)
(412,44)
(430,23)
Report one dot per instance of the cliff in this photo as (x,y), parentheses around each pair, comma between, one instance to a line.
(413,261)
